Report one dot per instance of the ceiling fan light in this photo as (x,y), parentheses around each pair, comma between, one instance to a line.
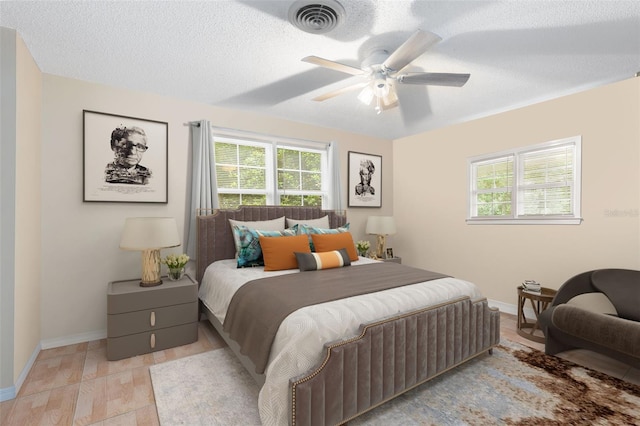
(366,95)
(390,98)
(381,87)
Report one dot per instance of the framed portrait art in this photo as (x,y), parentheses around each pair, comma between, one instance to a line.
(125,158)
(365,180)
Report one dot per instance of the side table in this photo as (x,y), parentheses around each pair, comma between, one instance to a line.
(393,259)
(146,319)
(539,302)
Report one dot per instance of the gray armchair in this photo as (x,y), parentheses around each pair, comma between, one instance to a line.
(597,310)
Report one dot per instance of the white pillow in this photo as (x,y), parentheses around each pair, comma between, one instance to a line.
(263,225)
(593,302)
(322,222)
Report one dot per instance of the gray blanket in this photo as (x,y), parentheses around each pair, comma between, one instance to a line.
(258,307)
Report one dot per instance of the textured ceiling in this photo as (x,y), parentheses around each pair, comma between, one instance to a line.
(246,55)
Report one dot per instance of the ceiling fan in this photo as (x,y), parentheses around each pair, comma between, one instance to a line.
(383,71)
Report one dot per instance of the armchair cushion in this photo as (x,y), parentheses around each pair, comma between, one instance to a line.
(614,333)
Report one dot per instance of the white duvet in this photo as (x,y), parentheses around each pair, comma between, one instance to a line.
(298,344)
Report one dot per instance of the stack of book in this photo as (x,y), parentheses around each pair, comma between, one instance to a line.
(530,286)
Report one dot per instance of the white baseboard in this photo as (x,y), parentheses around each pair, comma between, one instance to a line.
(73,339)
(7,393)
(511,309)
(11,392)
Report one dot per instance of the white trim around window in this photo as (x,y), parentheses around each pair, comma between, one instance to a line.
(539,184)
(269,165)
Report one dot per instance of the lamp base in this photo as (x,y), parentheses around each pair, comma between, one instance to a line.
(145,284)
(150,268)
(380,247)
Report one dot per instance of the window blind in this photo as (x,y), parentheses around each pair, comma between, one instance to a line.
(536,183)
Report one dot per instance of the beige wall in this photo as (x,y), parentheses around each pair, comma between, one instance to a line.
(80,240)
(430,194)
(7,208)
(20,211)
(28,207)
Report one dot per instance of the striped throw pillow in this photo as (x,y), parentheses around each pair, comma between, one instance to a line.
(324,260)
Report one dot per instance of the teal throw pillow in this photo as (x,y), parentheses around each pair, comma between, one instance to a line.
(248,243)
(308,230)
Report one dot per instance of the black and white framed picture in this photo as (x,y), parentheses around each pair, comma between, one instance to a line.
(125,158)
(390,253)
(365,180)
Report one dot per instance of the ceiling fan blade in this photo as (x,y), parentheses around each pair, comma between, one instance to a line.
(434,79)
(415,46)
(340,91)
(337,66)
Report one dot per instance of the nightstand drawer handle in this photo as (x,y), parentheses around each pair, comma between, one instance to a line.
(152,319)
(153,340)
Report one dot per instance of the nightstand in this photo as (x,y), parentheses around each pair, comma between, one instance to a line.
(146,319)
(393,259)
(539,302)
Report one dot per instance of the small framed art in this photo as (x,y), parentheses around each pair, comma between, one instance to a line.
(125,158)
(390,253)
(365,180)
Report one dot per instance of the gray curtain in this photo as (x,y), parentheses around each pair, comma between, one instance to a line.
(204,188)
(335,182)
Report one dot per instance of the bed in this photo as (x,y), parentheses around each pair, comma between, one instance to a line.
(333,361)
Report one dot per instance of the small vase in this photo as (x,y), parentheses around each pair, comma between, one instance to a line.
(362,253)
(176,273)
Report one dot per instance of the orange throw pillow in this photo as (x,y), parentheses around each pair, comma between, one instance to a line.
(279,252)
(330,242)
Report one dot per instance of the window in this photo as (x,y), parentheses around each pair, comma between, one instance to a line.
(300,177)
(269,172)
(242,173)
(537,184)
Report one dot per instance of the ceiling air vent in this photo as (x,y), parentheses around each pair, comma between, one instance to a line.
(316,17)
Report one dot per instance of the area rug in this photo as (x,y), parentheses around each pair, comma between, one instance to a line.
(516,385)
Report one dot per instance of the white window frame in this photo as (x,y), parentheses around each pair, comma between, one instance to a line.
(324,173)
(271,145)
(517,188)
(269,189)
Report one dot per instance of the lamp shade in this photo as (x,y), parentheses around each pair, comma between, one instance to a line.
(381,225)
(148,233)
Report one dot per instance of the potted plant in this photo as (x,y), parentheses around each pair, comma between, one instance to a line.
(362,247)
(176,265)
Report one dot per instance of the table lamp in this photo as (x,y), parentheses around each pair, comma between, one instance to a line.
(149,235)
(381,226)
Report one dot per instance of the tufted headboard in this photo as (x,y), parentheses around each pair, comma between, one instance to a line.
(215,239)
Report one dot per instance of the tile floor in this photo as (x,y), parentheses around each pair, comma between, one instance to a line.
(76,385)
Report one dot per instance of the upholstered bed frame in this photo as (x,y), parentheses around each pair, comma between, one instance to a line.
(386,359)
